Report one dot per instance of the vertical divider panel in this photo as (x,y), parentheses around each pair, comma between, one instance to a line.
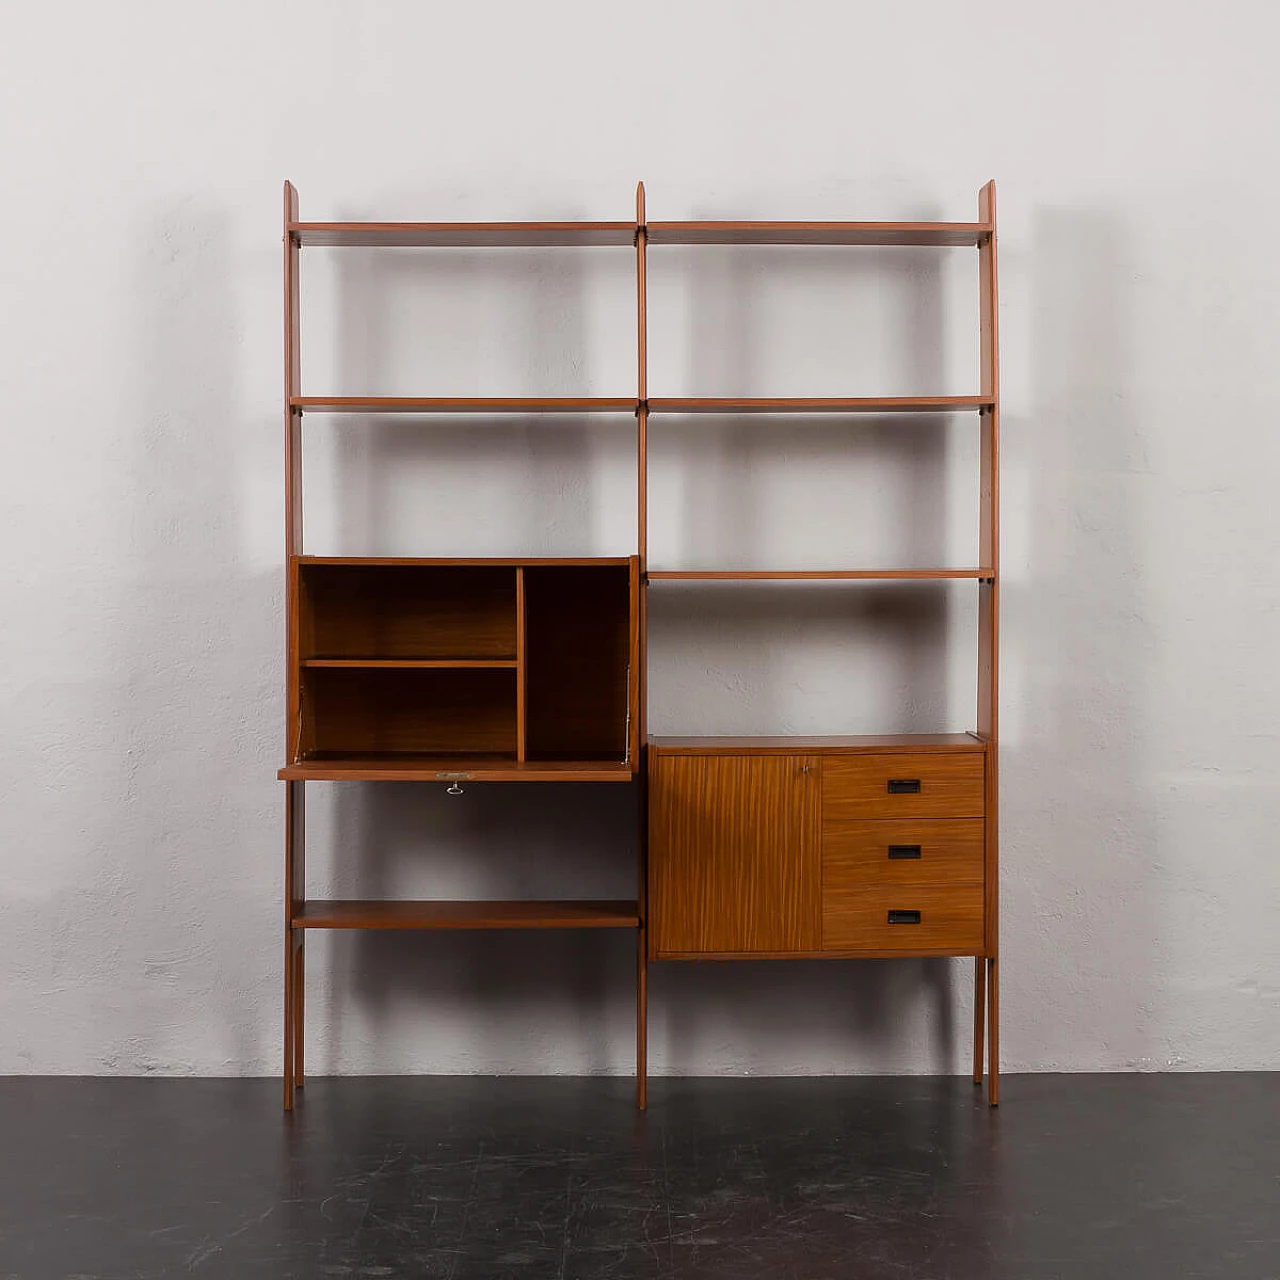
(295,837)
(989,620)
(521,665)
(639,650)
(292,466)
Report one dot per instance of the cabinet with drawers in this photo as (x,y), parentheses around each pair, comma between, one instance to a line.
(845,847)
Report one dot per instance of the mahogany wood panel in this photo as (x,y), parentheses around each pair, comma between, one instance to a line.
(410,611)
(874,742)
(888,234)
(460,235)
(462,404)
(865,853)
(810,575)
(413,712)
(432,914)
(950,918)
(820,404)
(934,784)
(733,853)
(578,646)
(373,767)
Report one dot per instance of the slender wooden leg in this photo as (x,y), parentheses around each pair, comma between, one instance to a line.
(289,1012)
(993,1033)
(979,1015)
(642,1019)
(299,1002)
(294,844)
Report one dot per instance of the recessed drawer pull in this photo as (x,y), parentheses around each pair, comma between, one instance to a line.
(904,917)
(904,786)
(900,851)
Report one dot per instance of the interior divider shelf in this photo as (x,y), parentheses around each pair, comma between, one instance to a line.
(570,913)
(410,663)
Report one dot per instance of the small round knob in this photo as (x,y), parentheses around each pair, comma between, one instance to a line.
(453,789)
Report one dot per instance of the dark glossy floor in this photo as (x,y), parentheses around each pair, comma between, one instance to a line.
(1075,1176)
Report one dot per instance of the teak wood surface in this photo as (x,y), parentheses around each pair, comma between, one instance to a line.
(947,784)
(733,853)
(430,669)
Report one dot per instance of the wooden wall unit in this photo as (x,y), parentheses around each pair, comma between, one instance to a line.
(452,671)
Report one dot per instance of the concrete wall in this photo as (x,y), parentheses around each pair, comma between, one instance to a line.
(144,146)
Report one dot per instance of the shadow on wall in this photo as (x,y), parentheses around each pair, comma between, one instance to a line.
(1078,879)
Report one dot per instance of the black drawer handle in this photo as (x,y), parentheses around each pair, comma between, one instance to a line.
(904,786)
(899,851)
(904,917)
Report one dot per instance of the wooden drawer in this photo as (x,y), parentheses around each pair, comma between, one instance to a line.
(935,784)
(933,918)
(859,853)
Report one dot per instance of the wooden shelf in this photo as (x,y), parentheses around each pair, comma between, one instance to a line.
(465,562)
(461,235)
(887,234)
(367,767)
(879,742)
(812,575)
(824,404)
(569,913)
(454,664)
(462,404)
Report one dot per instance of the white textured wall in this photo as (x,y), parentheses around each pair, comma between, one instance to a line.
(143,151)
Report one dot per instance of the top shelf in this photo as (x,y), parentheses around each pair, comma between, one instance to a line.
(514,235)
(887,234)
(461,235)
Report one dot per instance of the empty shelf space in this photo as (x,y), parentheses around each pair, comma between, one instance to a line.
(811,575)
(390,767)
(887,234)
(462,404)
(824,404)
(406,614)
(498,914)
(453,664)
(461,235)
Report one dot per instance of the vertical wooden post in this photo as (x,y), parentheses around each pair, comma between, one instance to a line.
(642,624)
(295,843)
(522,668)
(989,613)
(979,1014)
